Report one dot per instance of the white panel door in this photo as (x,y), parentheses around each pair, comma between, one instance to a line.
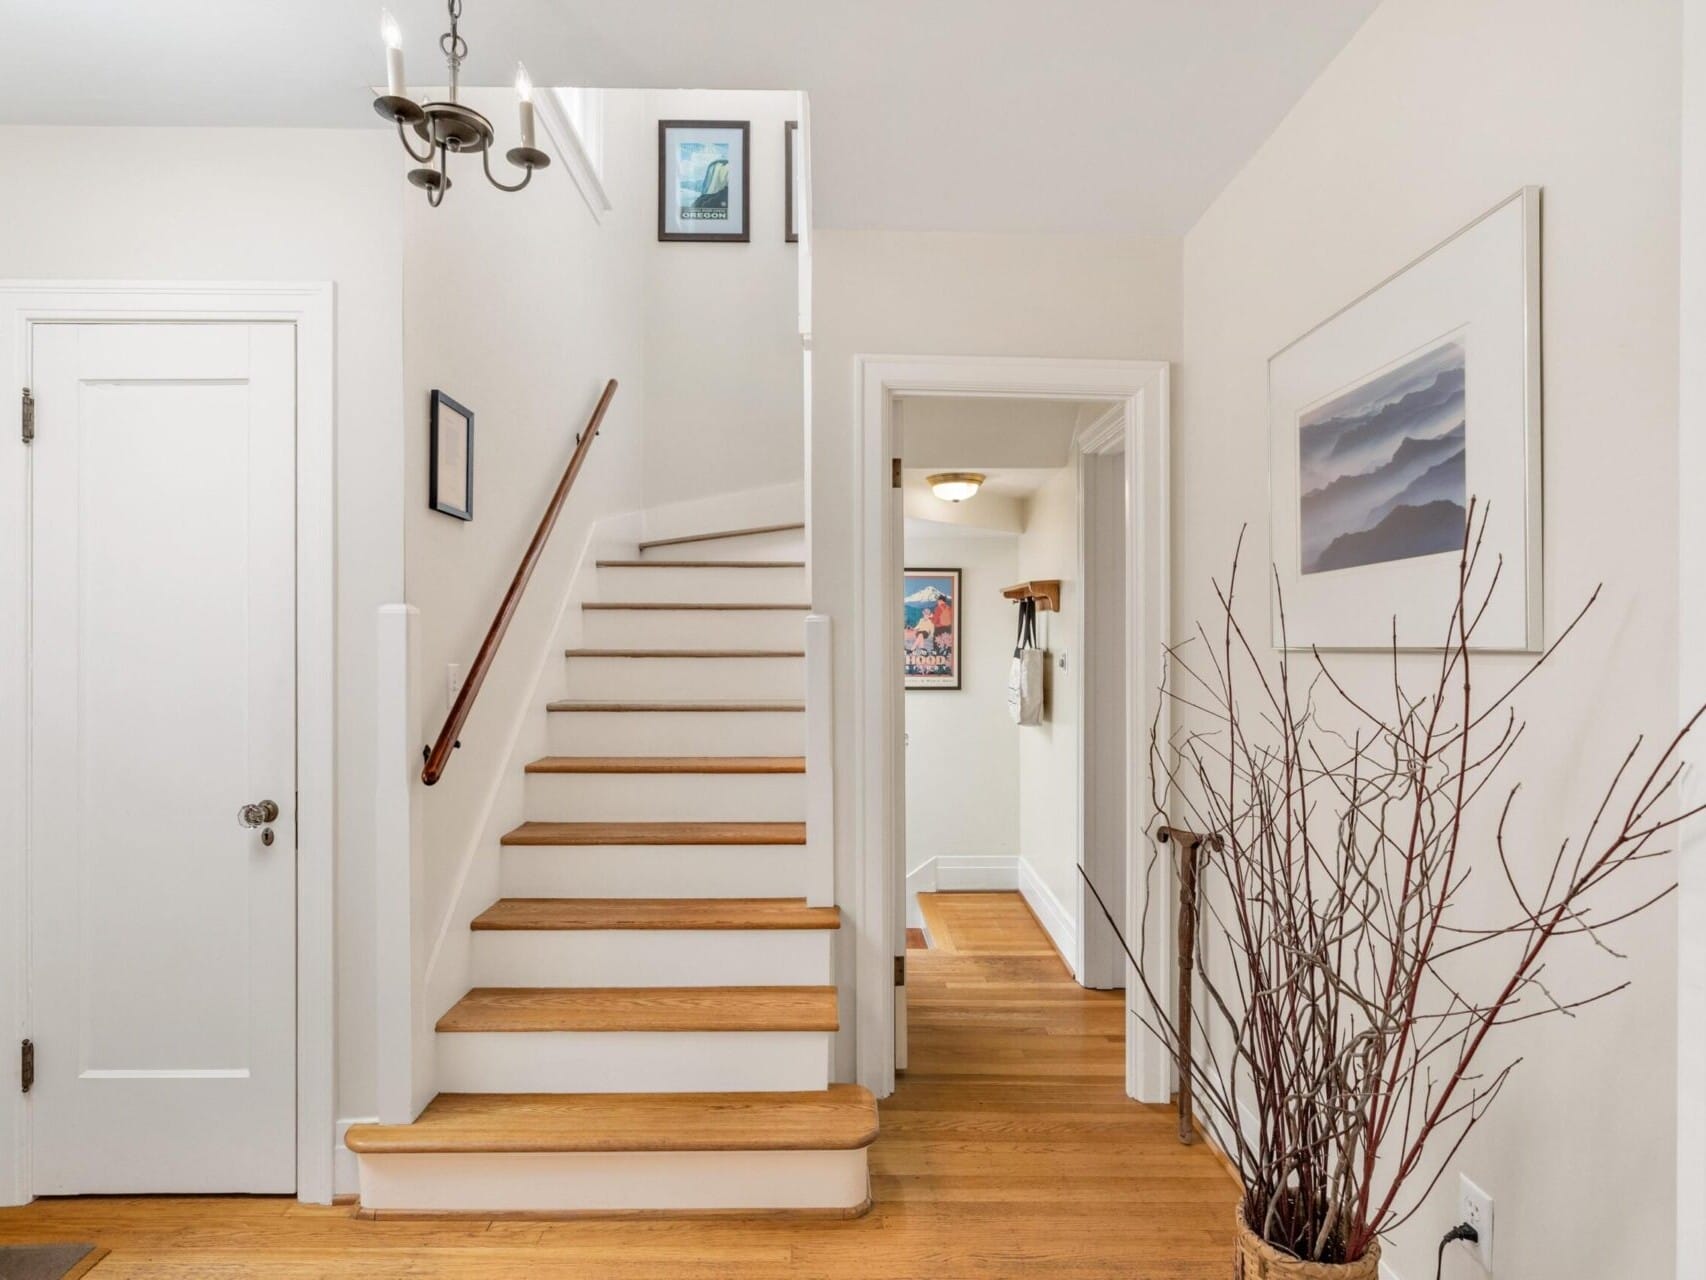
(162,930)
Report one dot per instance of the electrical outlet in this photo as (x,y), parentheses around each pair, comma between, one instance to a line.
(452,680)
(1475,1207)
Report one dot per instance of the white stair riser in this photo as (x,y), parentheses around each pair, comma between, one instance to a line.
(617,1181)
(632,1061)
(787,585)
(653,871)
(789,544)
(652,957)
(658,679)
(693,628)
(678,733)
(666,797)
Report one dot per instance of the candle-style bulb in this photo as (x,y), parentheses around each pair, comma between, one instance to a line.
(393,36)
(524,89)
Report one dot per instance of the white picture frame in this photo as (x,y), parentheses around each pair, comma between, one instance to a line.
(1363,411)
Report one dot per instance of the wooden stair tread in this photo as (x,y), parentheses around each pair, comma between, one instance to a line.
(714,606)
(684,653)
(523,1009)
(840,1118)
(701,564)
(655,833)
(582,914)
(582,704)
(721,533)
(668,764)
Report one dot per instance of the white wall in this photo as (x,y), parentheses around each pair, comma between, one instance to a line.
(272,204)
(725,397)
(520,307)
(946,293)
(1691,474)
(1436,110)
(1048,752)
(962,758)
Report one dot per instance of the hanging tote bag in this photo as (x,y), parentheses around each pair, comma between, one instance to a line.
(1025,682)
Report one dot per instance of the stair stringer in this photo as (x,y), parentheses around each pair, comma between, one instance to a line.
(450,962)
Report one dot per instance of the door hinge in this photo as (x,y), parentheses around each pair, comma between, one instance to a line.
(900,971)
(894,480)
(27,1064)
(29,416)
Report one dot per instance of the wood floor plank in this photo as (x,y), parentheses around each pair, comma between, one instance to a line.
(668,764)
(991,1036)
(581,914)
(841,1118)
(656,833)
(643,1009)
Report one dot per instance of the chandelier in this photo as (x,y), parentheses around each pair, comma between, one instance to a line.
(449,127)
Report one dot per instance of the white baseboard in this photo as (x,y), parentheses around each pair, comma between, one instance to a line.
(958,873)
(1056,919)
(346,1173)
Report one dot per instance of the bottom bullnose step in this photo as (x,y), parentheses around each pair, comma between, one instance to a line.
(798,1152)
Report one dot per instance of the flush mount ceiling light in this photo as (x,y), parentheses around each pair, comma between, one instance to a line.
(449,126)
(955,486)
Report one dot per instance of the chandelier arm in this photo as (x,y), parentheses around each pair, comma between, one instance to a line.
(435,196)
(486,161)
(413,155)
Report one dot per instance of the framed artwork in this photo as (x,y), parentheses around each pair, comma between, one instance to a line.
(791,210)
(450,471)
(932,633)
(704,180)
(1386,421)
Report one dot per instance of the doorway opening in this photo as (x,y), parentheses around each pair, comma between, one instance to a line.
(1068,453)
(993,804)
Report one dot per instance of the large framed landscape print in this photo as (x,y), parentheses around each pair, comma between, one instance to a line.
(704,180)
(1387,422)
(932,635)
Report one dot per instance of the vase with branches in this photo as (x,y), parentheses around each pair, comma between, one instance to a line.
(1348,1027)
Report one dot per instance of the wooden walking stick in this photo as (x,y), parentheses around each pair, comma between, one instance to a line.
(1189,842)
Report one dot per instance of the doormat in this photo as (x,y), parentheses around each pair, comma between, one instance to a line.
(47,1261)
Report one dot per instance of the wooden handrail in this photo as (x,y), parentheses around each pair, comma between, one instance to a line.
(438,755)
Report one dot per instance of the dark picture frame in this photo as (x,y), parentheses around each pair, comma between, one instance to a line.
(450,487)
(922,622)
(791,231)
(668,191)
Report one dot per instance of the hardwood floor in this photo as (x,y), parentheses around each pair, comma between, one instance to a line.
(1009,1150)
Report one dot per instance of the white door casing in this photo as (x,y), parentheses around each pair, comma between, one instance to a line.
(162,699)
(308,309)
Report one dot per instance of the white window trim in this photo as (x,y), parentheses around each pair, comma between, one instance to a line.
(309,306)
(581,155)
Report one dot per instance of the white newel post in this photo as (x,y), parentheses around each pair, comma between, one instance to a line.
(820,765)
(405,1064)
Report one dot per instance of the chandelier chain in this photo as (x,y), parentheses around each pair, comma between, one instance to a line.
(454,46)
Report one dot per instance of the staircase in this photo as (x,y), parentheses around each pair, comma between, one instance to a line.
(622,1051)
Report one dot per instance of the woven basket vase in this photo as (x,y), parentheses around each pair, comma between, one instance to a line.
(1259,1260)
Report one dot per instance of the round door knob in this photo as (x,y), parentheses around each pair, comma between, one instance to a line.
(259,814)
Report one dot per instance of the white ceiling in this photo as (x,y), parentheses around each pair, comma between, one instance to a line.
(992,115)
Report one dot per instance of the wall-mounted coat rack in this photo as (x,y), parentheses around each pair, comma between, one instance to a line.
(1045,591)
